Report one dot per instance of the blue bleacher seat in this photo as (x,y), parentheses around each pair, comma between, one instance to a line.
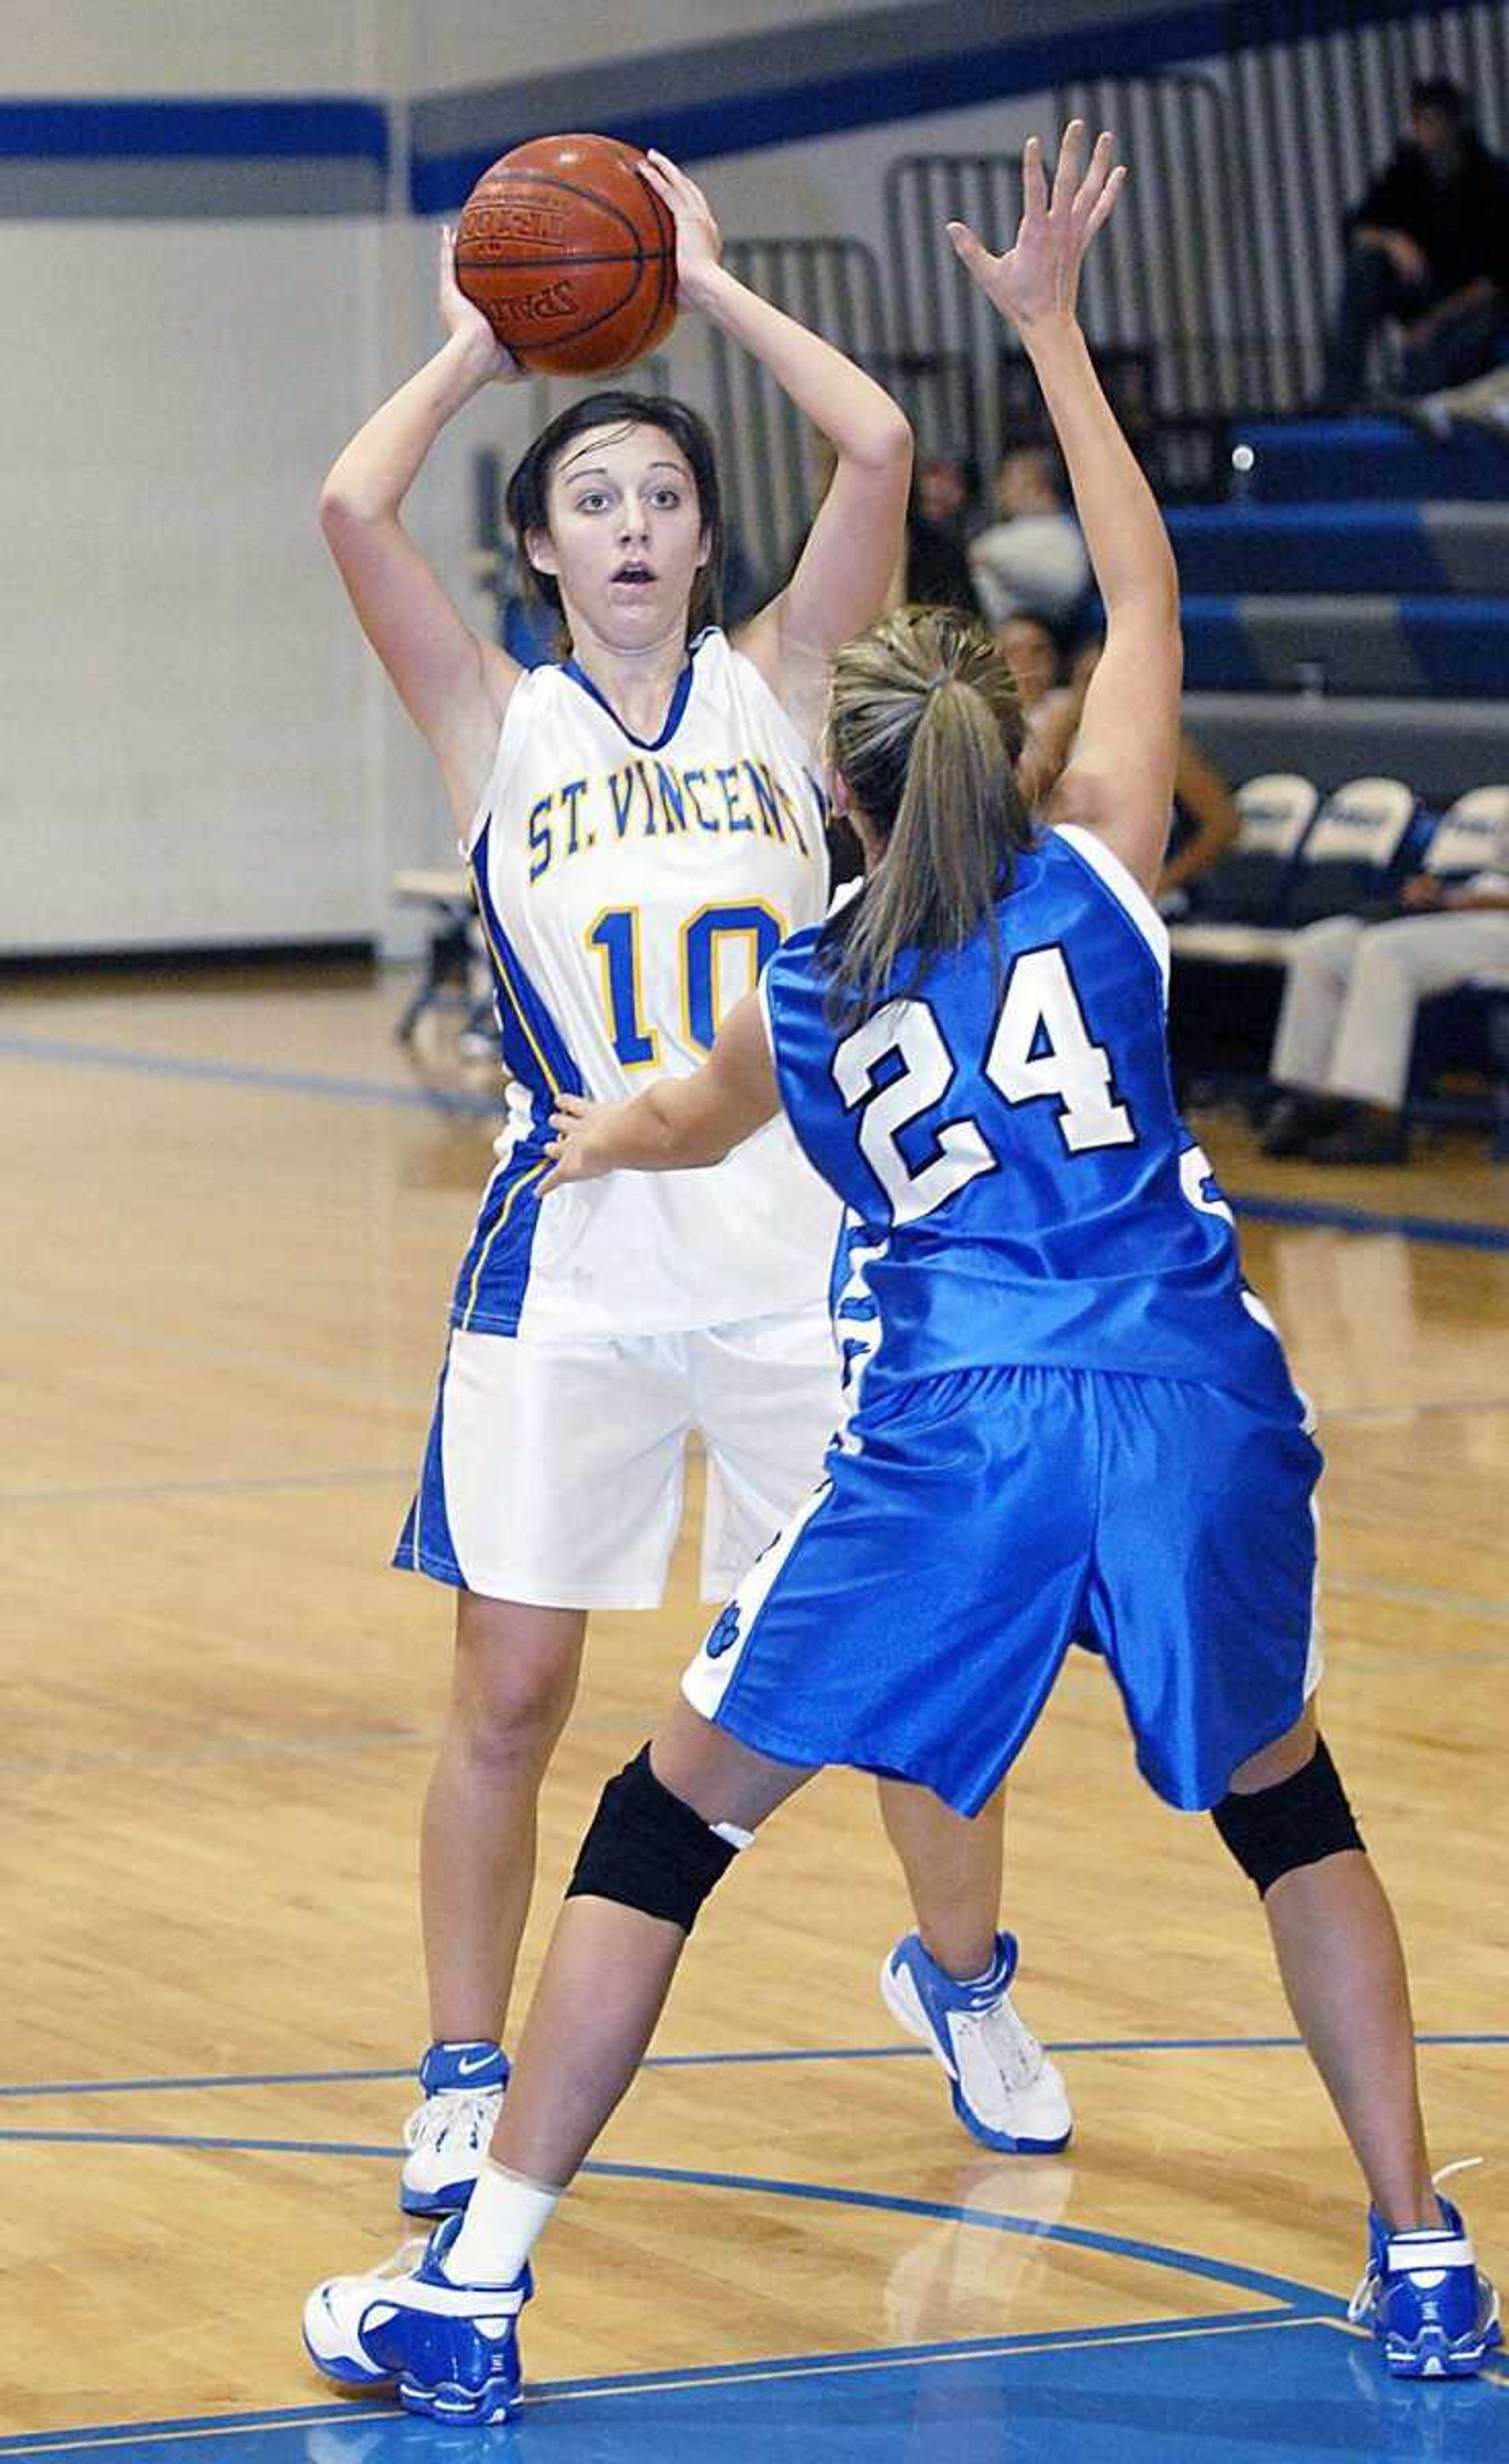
(1247,885)
(1315,461)
(1465,840)
(1351,857)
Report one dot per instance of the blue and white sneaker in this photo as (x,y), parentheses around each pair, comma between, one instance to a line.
(450,2349)
(1006,2092)
(449,2135)
(1434,2315)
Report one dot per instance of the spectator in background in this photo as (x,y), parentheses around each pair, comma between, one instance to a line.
(936,571)
(1482,404)
(1033,557)
(1034,651)
(1204,822)
(1347,1027)
(1428,246)
(944,493)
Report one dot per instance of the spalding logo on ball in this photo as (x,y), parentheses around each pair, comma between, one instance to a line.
(570,255)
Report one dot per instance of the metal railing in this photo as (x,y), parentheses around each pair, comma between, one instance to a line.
(1205,300)
(771,459)
(1208,296)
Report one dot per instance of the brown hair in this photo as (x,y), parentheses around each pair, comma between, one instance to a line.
(526,501)
(924,724)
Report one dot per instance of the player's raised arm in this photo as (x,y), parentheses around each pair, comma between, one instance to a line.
(1120,783)
(679,1125)
(453,684)
(843,572)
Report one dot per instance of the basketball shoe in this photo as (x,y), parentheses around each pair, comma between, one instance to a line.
(1006,2092)
(450,2349)
(1434,2315)
(447,2136)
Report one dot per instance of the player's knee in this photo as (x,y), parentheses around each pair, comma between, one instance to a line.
(507,1713)
(1298,1821)
(647,1849)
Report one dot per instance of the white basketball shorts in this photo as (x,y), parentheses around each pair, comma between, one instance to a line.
(554,1471)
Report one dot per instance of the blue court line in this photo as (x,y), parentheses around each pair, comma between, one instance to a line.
(707,2374)
(249,1483)
(198,2143)
(203,1489)
(1456,2037)
(234,1073)
(1358,1219)
(1444,1230)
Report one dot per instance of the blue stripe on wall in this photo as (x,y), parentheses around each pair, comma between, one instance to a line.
(323,126)
(759,103)
(787,115)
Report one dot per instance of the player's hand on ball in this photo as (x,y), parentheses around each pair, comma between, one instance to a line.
(699,242)
(465,323)
(1039,277)
(576,1152)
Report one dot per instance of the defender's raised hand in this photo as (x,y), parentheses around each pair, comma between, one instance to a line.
(1038,278)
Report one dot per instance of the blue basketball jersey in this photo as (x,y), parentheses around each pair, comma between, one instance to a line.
(1019,1184)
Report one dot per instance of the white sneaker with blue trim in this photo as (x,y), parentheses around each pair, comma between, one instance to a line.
(1434,2316)
(451,2350)
(1006,2092)
(449,2135)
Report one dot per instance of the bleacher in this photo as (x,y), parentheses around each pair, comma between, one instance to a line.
(1346,628)
(1350,615)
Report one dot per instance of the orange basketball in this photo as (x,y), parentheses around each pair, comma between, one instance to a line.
(570,255)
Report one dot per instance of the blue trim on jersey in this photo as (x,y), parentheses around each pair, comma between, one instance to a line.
(534,1051)
(489,1296)
(425,1545)
(673,715)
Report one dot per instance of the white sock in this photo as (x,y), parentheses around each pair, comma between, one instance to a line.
(505,2217)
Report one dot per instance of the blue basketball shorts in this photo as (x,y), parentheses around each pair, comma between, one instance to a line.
(911,1617)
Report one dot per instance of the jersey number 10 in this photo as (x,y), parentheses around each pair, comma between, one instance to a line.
(703,939)
(1042,1047)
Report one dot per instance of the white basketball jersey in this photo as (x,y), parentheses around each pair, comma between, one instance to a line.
(629,894)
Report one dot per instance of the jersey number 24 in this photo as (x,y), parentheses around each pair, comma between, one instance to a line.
(898,1066)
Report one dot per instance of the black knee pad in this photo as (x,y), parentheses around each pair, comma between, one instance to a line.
(647,1849)
(1297,1822)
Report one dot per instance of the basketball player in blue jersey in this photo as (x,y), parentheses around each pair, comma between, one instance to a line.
(643,824)
(1069,1418)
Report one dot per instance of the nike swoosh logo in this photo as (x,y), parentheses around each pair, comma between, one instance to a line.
(467,2066)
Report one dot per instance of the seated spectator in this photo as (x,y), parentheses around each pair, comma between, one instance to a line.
(1347,1026)
(1204,822)
(1482,404)
(743,589)
(1032,651)
(1429,247)
(934,568)
(1033,557)
(945,492)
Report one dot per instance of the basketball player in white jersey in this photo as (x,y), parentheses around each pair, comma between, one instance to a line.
(644,825)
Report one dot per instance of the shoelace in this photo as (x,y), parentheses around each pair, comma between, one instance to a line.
(453,2113)
(1013,2047)
(1369,2279)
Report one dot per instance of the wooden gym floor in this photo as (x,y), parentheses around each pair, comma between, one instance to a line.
(231,1218)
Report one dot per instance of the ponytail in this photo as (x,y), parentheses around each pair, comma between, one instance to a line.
(926,727)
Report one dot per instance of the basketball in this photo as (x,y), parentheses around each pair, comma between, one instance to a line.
(569,255)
